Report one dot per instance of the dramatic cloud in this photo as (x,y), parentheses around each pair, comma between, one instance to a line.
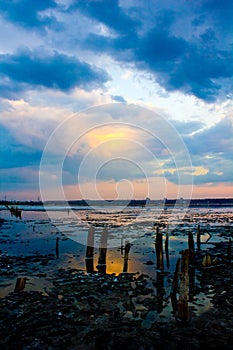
(194,66)
(59,57)
(28,13)
(55,71)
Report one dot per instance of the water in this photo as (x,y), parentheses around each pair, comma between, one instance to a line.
(61,235)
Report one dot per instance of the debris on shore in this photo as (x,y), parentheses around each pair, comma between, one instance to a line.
(105,312)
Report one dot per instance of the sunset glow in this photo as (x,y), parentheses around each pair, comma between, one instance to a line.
(108,97)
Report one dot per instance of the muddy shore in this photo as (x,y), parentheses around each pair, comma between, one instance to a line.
(96,311)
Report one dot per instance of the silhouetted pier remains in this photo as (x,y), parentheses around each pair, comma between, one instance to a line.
(90,250)
(101,267)
(126,256)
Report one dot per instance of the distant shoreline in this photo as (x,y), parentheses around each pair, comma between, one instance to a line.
(207,202)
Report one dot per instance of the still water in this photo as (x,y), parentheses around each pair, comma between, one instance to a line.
(60,236)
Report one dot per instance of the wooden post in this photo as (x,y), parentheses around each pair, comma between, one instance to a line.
(122,247)
(102,252)
(20,284)
(57,247)
(175,283)
(166,247)
(198,237)
(90,250)
(191,282)
(126,256)
(176,277)
(191,247)
(229,250)
(183,314)
(159,249)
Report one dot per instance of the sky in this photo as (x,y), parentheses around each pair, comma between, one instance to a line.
(116,99)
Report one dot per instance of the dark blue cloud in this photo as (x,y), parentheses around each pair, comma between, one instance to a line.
(221,12)
(196,59)
(118,98)
(55,71)
(14,154)
(109,13)
(27,13)
(197,65)
(218,139)
(186,128)
(177,64)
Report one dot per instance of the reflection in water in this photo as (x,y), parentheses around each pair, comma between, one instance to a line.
(29,232)
(160,290)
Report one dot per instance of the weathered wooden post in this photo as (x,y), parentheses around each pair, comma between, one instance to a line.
(183,313)
(229,250)
(166,247)
(191,247)
(126,256)
(90,250)
(20,284)
(122,247)
(103,252)
(160,267)
(159,249)
(198,237)
(57,247)
(191,282)
(175,283)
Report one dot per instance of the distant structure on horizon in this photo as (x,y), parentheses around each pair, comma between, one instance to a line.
(181,202)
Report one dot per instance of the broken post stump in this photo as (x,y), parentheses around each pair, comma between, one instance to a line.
(20,284)
(198,237)
(57,247)
(102,252)
(183,312)
(166,247)
(122,247)
(175,283)
(229,250)
(191,247)
(175,280)
(90,250)
(159,249)
(126,256)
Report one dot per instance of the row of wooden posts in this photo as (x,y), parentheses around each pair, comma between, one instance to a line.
(101,267)
(15,211)
(184,275)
